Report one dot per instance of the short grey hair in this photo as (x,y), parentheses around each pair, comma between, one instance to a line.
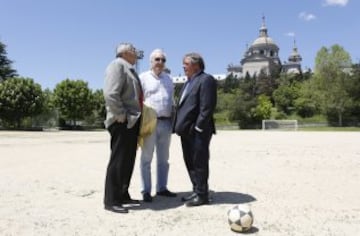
(196,58)
(157,51)
(124,47)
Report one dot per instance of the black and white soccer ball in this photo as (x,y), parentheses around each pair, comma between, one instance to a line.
(240,218)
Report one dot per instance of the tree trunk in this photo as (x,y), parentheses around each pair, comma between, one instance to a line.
(340,123)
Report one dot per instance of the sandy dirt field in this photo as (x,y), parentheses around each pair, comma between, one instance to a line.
(297,183)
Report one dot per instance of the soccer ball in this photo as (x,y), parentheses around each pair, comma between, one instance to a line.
(240,218)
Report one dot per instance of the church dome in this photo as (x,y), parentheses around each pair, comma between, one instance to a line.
(263,40)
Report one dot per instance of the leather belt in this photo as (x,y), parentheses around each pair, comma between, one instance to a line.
(163,118)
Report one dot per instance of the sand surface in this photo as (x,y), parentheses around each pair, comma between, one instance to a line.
(297,183)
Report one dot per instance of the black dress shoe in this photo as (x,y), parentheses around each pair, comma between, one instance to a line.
(197,201)
(116,209)
(126,199)
(166,193)
(189,197)
(131,201)
(147,197)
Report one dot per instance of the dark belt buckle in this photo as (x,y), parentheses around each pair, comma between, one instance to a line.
(163,118)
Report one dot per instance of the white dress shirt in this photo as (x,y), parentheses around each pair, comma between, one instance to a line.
(158,92)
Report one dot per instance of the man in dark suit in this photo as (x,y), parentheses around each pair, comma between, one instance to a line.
(194,123)
(123,100)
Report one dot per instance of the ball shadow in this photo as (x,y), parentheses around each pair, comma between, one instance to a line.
(252,230)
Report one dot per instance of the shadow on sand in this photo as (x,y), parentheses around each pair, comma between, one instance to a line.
(162,203)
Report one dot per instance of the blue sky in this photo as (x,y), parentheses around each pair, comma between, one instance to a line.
(50,41)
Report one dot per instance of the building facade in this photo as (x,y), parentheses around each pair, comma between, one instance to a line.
(263,57)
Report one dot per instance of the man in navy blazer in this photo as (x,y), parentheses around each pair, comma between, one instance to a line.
(194,123)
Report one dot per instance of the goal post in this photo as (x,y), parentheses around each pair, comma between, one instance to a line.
(291,125)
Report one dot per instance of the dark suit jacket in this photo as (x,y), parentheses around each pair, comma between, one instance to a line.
(197,107)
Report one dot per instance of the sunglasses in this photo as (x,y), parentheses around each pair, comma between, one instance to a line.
(160,59)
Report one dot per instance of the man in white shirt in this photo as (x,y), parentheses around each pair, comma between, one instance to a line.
(158,94)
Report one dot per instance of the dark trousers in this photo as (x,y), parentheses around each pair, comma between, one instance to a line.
(196,156)
(121,165)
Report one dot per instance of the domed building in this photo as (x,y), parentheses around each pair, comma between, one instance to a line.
(293,65)
(263,57)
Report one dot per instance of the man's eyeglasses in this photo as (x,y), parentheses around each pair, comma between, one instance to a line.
(133,50)
(160,59)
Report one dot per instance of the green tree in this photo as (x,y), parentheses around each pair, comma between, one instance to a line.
(224,105)
(333,80)
(266,84)
(74,100)
(285,95)
(243,111)
(19,98)
(230,83)
(263,108)
(49,116)
(6,70)
(48,100)
(308,102)
(248,85)
(177,89)
(99,107)
(354,93)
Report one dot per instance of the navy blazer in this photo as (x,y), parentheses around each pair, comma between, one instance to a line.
(197,107)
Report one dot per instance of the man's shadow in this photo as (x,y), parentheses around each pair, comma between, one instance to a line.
(163,203)
(230,198)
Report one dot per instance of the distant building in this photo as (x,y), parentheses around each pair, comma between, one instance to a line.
(263,57)
(182,78)
(293,65)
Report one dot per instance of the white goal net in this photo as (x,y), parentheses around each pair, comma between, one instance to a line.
(291,125)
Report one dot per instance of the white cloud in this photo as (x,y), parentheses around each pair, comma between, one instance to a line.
(306,16)
(336,3)
(290,34)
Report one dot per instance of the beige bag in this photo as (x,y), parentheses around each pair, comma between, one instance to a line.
(148,123)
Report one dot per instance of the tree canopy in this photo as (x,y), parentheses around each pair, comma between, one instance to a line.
(19,98)
(74,100)
(6,70)
(332,80)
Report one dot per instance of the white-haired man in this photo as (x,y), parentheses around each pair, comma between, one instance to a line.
(158,94)
(123,99)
